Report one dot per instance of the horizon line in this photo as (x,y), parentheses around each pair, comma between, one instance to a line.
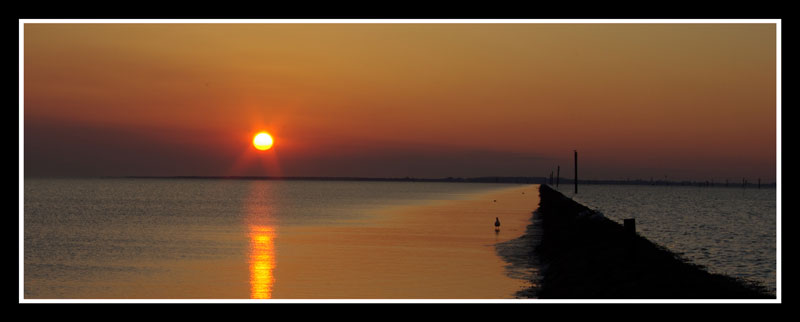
(479,179)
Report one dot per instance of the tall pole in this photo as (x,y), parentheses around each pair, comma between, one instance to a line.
(558,173)
(576,171)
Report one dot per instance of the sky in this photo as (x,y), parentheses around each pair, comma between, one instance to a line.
(682,101)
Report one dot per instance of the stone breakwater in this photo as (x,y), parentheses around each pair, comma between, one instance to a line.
(585,255)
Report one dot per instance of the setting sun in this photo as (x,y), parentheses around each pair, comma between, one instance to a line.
(262,141)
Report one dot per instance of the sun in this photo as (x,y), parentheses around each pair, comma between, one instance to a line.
(262,141)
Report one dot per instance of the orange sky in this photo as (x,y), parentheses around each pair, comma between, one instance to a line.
(689,101)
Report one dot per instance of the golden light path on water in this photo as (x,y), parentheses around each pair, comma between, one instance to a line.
(261,233)
(262,261)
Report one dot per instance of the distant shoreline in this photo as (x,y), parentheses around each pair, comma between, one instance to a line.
(490,179)
(520,180)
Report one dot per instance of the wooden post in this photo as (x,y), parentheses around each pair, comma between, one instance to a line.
(576,171)
(558,173)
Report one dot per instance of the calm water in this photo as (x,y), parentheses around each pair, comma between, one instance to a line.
(160,238)
(728,230)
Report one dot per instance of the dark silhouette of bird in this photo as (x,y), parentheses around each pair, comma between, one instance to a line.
(496,223)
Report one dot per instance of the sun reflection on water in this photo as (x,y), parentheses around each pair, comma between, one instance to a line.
(262,261)
(261,228)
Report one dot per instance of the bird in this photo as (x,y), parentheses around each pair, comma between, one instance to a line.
(496,224)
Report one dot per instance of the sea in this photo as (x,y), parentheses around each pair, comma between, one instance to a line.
(192,238)
(728,230)
(163,238)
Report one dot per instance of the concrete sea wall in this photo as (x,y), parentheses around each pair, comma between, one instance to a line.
(584,255)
